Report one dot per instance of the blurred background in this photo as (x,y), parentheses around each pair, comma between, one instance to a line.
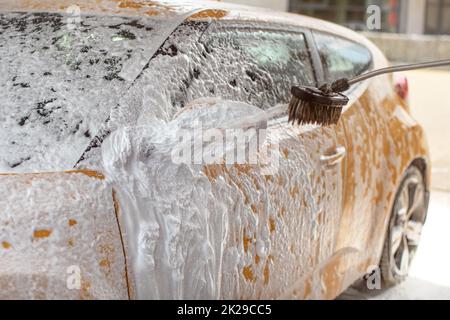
(399,16)
(411,31)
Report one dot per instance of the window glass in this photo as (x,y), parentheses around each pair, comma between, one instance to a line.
(432,21)
(208,61)
(446,17)
(284,55)
(438,17)
(342,58)
(257,67)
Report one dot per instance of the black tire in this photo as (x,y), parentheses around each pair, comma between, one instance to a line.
(408,216)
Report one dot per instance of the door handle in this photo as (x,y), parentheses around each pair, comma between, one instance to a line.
(335,158)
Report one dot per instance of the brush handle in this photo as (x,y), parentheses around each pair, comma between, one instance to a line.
(407,67)
(342,85)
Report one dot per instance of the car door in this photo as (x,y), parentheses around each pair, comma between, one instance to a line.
(364,217)
(285,223)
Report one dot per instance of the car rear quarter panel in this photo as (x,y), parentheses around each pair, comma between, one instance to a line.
(54,227)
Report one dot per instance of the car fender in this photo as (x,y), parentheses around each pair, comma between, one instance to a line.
(59,238)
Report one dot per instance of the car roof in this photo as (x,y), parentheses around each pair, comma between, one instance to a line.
(197,10)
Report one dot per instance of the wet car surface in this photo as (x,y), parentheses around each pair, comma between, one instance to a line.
(103,104)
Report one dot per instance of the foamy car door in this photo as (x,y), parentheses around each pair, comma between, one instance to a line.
(290,217)
(362,221)
(286,223)
(306,199)
(277,229)
(286,226)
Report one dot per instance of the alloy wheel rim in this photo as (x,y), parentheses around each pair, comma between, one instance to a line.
(408,224)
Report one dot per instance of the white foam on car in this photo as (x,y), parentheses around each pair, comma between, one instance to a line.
(176,223)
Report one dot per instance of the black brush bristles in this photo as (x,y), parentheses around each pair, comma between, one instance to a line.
(312,106)
(306,112)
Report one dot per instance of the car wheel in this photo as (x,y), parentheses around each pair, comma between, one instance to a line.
(405,227)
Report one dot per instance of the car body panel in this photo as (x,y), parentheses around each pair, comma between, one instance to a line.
(60,238)
(382,142)
(307,204)
(218,231)
(250,234)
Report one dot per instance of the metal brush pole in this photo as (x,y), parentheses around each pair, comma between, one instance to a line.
(407,67)
(342,85)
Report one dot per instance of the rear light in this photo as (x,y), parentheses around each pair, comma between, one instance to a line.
(402,87)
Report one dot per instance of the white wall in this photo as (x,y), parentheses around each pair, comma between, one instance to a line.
(280,5)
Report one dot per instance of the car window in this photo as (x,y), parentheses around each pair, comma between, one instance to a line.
(200,60)
(256,67)
(272,61)
(342,58)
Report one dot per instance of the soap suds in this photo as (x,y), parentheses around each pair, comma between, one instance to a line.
(185,225)
(60,84)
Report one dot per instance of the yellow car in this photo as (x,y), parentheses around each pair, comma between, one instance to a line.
(96,204)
